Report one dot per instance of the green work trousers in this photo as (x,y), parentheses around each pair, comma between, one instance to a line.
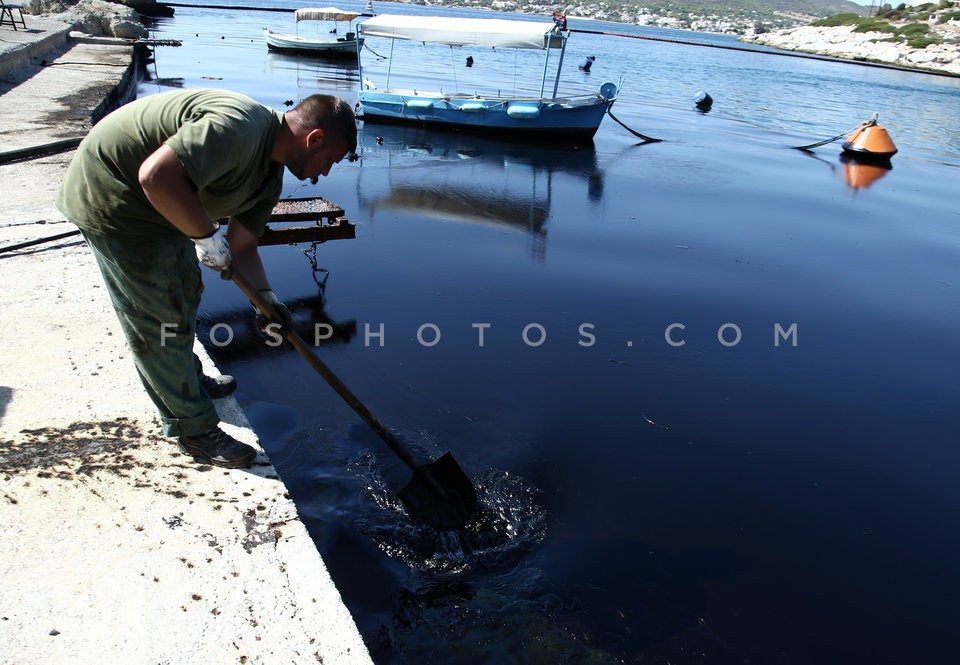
(155,287)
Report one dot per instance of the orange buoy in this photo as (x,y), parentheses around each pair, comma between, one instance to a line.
(870,141)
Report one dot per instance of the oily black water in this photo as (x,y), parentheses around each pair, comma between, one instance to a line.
(705,387)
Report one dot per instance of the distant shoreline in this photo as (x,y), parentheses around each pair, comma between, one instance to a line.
(866,48)
(780,40)
(781,51)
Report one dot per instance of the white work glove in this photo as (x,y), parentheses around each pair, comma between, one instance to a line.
(213,250)
(263,320)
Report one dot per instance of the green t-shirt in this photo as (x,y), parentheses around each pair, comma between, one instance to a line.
(223,140)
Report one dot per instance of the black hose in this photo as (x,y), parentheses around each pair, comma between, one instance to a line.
(38,241)
(39,150)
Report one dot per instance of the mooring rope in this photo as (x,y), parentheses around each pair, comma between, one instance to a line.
(648,139)
(866,123)
(382,57)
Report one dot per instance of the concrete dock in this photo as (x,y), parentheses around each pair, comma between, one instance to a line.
(114,547)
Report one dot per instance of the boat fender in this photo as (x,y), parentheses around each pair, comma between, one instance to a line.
(870,141)
(419,103)
(472,107)
(523,111)
(703,101)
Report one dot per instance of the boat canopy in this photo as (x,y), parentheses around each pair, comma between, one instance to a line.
(464,31)
(325,14)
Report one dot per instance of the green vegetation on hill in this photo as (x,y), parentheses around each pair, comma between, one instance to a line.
(808,7)
(915,28)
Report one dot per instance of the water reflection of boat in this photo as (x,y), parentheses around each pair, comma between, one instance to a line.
(345,46)
(393,141)
(313,74)
(460,202)
(463,178)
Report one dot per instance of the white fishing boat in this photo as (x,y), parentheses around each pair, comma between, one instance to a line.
(330,44)
(533,116)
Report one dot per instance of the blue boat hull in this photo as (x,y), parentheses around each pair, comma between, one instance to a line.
(566,118)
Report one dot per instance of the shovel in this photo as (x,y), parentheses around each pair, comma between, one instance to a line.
(439,494)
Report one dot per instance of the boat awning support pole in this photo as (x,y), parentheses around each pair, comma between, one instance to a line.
(390,64)
(556,81)
(546,60)
(359,62)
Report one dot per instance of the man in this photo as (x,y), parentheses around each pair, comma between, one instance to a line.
(145,187)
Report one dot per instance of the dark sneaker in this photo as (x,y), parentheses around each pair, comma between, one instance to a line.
(218,448)
(218,386)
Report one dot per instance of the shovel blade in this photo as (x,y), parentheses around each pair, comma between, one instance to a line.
(440,494)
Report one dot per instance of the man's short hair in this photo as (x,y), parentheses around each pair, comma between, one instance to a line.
(331,114)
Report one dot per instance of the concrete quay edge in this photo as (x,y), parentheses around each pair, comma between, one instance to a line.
(19,50)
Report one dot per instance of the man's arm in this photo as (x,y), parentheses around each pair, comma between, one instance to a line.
(169,189)
(246,260)
(244,248)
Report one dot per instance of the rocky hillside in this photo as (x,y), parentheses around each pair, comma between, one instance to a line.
(925,36)
(743,17)
(740,17)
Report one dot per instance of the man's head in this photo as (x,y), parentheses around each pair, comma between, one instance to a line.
(324,131)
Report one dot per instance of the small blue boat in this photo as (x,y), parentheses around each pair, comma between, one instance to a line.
(529,117)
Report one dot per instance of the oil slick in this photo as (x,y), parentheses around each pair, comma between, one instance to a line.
(510,524)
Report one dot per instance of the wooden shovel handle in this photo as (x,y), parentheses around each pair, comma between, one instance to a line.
(296,341)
